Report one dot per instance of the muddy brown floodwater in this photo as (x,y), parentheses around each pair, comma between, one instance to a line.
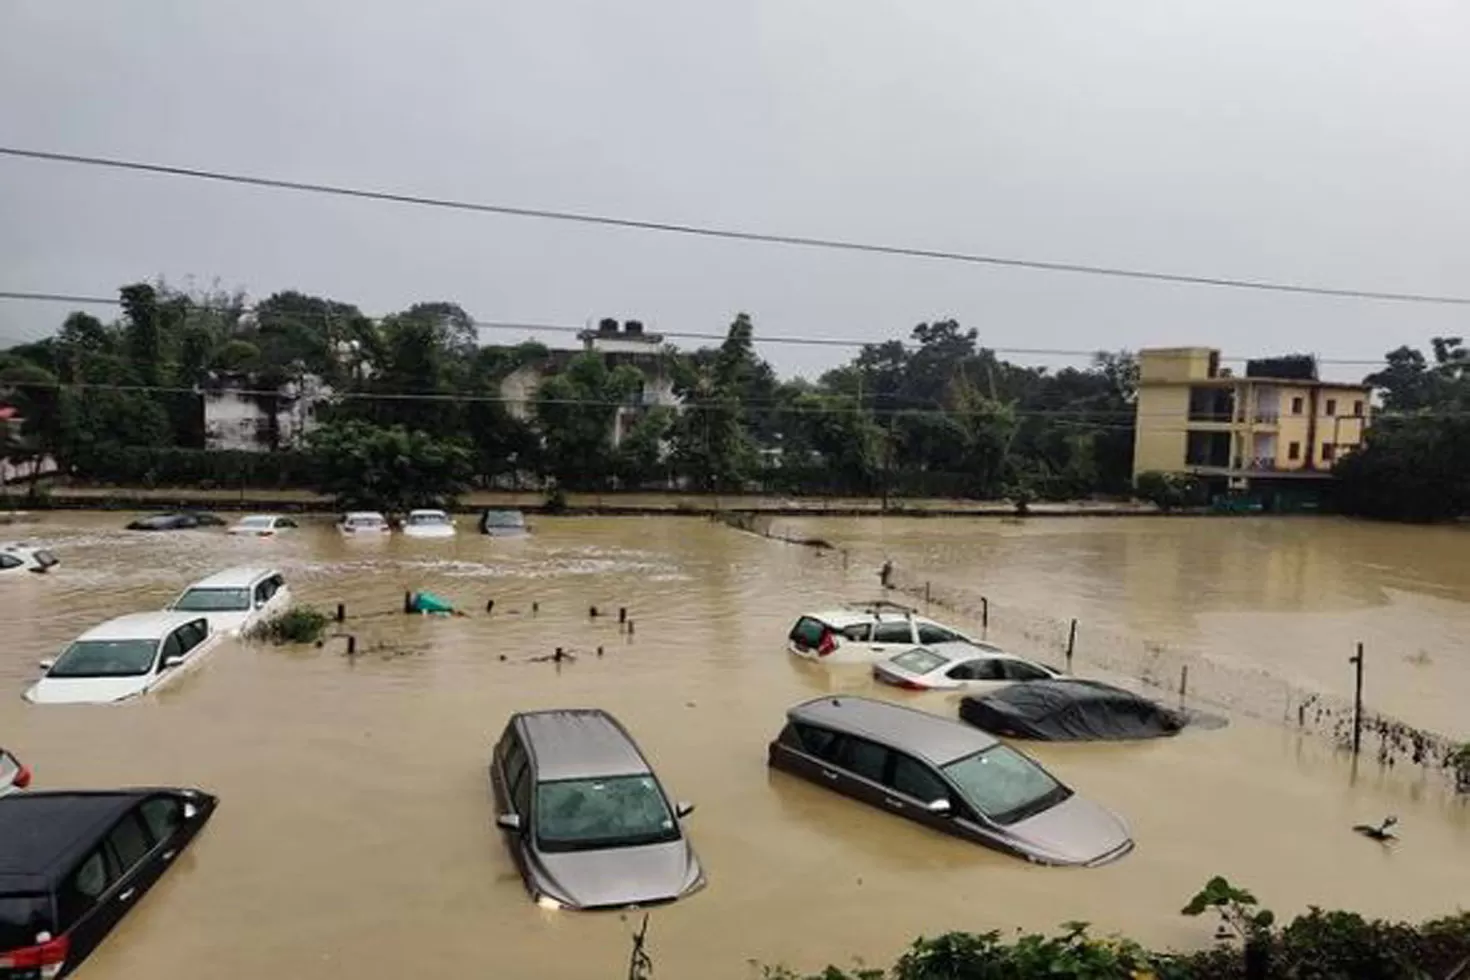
(355,836)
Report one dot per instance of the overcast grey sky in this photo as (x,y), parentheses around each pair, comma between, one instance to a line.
(1315,140)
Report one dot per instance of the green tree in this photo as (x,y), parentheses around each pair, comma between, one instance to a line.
(390,469)
(712,447)
(575,413)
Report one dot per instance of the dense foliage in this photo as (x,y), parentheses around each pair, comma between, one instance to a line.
(419,410)
(299,624)
(1416,464)
(1318,945)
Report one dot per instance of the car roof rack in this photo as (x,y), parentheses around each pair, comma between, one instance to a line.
(880,606)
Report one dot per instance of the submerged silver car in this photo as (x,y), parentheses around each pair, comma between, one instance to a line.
(585,818)
(948,776)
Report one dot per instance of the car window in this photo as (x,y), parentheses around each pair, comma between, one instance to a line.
(187,636)
(162,815)
(807,633)
(987,669)
(22,916)
(617,811)
(920,661)
(893,632)
(1020,670)
(858,632)
(174,645)
(277,583)
(82,888)
(818,741)
(930,633)
(916,780)
(285,522)
(863,758)
(9,561)
(130,842)
(263,592)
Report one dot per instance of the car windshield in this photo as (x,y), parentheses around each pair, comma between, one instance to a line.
(504,518)
(364,520)
(431,518)
(105,658)
(214,600)
(22,916)
(620,811)
(920,660)
(256,522)
(1004,785)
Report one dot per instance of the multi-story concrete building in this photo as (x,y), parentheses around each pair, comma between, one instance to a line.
(1195,417)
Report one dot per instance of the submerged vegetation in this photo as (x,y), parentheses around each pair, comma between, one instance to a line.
(299,624)
(1317,945)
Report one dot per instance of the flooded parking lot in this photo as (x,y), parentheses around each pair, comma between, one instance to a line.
(355,835)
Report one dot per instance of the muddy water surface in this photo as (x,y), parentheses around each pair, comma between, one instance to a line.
(355,836)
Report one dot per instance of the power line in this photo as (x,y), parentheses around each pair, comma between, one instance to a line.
(87,300)
(730,234)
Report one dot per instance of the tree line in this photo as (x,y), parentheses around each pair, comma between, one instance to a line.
(418,414)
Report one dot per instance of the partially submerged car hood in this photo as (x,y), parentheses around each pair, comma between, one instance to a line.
(86,690)
(618,876)
(1075,831)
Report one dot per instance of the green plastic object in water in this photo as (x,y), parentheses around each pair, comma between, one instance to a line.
(428,602)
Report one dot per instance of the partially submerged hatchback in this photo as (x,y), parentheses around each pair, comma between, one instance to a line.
(428,524)
(947,776)
(236,599)
(123,658)
(585,818)
(364,524)
(261,525)
(865,632)
(17,559)
(74,863)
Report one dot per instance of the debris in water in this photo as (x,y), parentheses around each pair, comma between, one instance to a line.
(1381,832)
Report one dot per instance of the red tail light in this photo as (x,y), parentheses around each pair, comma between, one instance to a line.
(47,958)
(22,778)
(827,645)
(264,534)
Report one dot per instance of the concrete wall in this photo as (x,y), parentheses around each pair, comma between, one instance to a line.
(1160,435)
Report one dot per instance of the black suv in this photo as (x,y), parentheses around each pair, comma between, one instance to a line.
(73,863)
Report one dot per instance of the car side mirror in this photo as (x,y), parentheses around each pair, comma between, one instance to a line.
(939,808)
(259,603)
(684,809)
(190,811)
(47,664)
(172,660)
(509,821)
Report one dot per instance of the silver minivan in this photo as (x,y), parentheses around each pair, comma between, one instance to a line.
(585,818)
(947,776)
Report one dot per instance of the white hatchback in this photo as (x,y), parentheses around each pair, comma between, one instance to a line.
(959,666)
(428,524)
(262,525)
(864,633)
(123,658)
(236,599)
(17,559)
(364,524)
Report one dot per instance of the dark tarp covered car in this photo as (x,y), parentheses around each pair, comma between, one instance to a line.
(179,521)
(1070,711)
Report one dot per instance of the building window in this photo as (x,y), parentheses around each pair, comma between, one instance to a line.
(1328,451)
(1331,406)
(1294,451)
(1296,405)
(1358,409)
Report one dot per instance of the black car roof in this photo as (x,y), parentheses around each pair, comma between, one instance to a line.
(939,740)
(42,835)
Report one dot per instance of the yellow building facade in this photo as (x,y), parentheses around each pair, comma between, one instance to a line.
(1195,417)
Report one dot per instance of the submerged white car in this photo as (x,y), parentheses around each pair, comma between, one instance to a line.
(14,774)
(262,525)
(959,666)
(864,633)
(236,599)
(123,658)
(18,559)
(364,524)
(428,524)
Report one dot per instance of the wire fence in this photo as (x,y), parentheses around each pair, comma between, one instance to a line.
(1184,676)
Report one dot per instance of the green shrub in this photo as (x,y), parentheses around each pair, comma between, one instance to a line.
(299,624)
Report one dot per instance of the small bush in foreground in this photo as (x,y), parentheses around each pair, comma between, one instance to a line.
(299,624)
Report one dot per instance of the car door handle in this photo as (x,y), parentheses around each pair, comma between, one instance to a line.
(892,803)
(127,894)
(830,774)
(169,855)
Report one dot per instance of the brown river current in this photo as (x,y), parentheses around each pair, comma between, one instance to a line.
(355,837)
